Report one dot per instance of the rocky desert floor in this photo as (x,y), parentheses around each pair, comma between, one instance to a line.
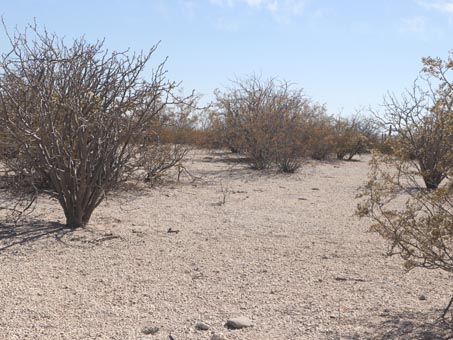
(284,251)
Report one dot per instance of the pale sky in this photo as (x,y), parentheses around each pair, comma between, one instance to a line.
(346,54)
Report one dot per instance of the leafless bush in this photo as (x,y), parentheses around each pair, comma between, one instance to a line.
(169,139)
(321,138)
(291,144)
(263,120)
(405,196)
(158,159)
(179,122)
(211,132)
(421,123)
(417,222)
(420,226)
(73,113)
(348,139)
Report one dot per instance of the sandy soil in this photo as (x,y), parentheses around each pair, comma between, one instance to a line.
(284,251)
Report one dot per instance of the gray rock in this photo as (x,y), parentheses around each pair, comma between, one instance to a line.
(150,330)
(239,322)
(201,326)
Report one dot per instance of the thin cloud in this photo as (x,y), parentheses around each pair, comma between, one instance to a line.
(228,3)
(226,24)
(254,3)
(414,25)
(281,10)
(443,6)
(189,7)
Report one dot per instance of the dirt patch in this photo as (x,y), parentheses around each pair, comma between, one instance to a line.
(284,251)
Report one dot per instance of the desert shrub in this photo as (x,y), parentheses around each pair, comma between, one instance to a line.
(210,131)
(426,143)
(418,222)
(421,122)
(290,146)
(5,143)
(263,120)
(405,196)
(382,144)
(157,159)
(74,113)
(348,139)
(228,121)
(169,139)
(179,122)
(321,138)
(370,129)
(343,137)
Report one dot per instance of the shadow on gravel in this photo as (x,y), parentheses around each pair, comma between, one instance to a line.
(237,167)
(227,158)
(21,234)
(408,326)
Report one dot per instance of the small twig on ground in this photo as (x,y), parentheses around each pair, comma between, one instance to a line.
(225,190)
(444,313)
(182,170)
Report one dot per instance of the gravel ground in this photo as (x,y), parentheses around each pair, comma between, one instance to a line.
(284,251)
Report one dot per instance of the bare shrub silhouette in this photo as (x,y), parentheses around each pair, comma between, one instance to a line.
(403,196)
(170,138)
(72,113)
(421,122)
(349,141)
(321,138)
(264,120)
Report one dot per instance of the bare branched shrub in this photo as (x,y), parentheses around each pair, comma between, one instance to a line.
(421,122)
(165,145)
(409,196)
(263,120)
(291,147)
(74,112)
(418,222)
(178,123)
(212,134)
(18,192)
(321,138)
(348,139)
(158,159)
